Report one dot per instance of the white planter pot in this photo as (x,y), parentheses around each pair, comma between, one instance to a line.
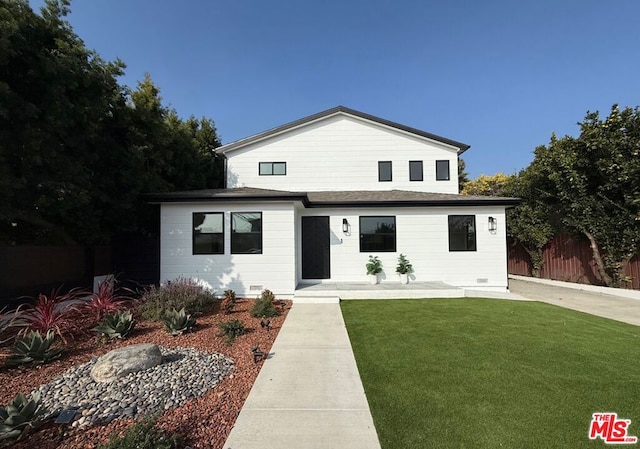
(373,279)
(404,278)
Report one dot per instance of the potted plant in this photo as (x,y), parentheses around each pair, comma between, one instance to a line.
(374,268)
(404,269)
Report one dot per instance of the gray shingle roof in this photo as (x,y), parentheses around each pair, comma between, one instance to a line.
(462,147)
(358,198)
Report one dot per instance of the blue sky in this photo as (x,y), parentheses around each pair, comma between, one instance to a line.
(500,76)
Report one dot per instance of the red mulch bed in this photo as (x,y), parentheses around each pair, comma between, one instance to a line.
(205,422)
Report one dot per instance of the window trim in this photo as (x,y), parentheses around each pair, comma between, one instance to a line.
(380,171)
(193,233)
(272,165)
(231,232)
(421,171)
(448,178)
(395,234)
(475,233)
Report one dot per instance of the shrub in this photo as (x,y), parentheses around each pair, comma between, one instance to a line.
(263,306)
(178,322)
(108,299)
(143,435)
(232,329)
(116,325)
(51,313)
(228,302)
(21,413)
(404,266)
(178,294)
(374,265)
(34,348)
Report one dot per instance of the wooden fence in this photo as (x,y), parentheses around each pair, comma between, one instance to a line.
(567,258)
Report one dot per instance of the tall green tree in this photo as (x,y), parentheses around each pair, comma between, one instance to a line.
(77,149)
(463,176)
(592,183)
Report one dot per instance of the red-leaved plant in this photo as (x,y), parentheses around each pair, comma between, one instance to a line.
(107,299)
(51,312)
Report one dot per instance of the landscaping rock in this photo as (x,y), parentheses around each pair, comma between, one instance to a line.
(130,359)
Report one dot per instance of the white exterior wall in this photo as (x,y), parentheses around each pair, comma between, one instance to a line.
(342,153)
(422,235)
(274,269)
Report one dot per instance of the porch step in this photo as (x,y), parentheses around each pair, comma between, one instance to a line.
(316,299)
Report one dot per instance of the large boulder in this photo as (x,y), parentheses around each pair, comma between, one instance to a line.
(120,362)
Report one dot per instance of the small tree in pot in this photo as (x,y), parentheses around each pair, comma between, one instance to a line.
(374,268)
(404,268)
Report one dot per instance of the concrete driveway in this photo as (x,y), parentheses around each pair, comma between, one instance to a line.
(617,308)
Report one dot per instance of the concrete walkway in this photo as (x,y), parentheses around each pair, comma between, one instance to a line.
(572,296)
(308,394)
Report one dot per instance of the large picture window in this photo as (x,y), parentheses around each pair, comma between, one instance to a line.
(246,233)
(462,233)
(272,168)
(208,233)
(377,234)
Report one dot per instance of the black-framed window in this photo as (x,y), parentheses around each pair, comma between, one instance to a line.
(377,234)
(272,168)
(442,171)
(246,233)
(462,232)
(384,171)
(415,171)
(208,233)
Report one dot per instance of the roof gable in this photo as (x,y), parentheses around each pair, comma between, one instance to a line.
(339,110)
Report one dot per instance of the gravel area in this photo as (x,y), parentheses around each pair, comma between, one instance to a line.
(221,380)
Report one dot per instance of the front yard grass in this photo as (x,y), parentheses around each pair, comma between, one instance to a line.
(483,373)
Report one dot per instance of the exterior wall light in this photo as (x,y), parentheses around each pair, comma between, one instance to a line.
(493,224)
(345,226)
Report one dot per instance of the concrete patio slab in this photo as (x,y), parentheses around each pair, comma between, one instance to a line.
(308,393)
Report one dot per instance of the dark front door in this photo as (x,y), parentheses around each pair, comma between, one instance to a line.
(315,248)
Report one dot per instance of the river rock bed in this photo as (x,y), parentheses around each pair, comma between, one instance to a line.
(184,374)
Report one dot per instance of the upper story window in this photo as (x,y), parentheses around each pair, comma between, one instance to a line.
(384,171)
(208,233)
(462,232)
(415,171)
(377,234)
(442,171)
(246,233)
(272,168)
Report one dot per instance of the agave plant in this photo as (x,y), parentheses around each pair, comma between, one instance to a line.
(34,348)
(117,325)
(178,322)
(19,414)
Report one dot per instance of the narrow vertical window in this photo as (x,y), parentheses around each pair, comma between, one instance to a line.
(442,171)
(384,171)
(208,233)
(246,233)
(415,170)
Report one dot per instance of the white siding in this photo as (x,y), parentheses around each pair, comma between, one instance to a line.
(422,235)
(342,153)
(274,269)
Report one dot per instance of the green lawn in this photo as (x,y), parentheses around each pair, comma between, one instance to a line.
(481,373)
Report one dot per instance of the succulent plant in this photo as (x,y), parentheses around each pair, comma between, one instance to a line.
(34,348)
(117,325)
(177,322)
(19,414)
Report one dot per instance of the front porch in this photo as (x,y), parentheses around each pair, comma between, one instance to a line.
(335,291)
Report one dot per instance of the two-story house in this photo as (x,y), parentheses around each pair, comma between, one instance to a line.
(309,201)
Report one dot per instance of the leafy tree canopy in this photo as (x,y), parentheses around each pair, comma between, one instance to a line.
(77,149)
